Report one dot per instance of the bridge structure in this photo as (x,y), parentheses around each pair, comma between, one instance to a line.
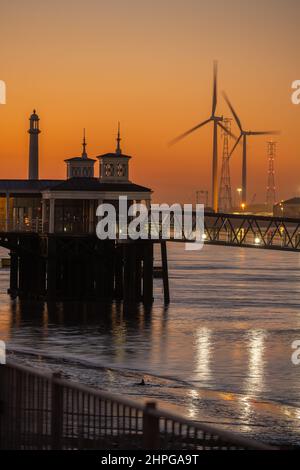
(71,266)
(252,231)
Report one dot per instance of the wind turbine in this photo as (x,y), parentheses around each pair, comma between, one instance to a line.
(243,135)
(217,122)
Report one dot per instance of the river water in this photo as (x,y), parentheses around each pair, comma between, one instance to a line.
(219,353)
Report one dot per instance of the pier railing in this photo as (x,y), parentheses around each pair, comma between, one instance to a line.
(39,410)
(23,225)
(247,230)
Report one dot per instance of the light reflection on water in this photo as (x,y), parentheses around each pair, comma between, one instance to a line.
(255,376)
(203,354)
(220,352)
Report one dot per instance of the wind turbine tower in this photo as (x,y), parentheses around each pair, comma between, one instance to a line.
(225,200)
(217,122)
(271,192)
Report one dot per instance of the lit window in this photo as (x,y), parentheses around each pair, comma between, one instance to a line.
(109,169)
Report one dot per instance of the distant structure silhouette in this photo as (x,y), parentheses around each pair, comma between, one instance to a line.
(34,131)
(243,135)
(118,149)
(225,200)
(202,197)
(271,189)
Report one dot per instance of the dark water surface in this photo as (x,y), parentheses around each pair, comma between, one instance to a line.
(220,353)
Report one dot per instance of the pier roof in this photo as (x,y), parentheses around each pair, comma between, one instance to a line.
(94,184)
(80,159)
(113,155)
(20,185)
(72,184)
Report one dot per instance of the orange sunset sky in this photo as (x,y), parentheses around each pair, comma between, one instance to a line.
(149,64)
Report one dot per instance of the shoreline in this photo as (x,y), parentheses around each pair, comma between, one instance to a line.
(143,394)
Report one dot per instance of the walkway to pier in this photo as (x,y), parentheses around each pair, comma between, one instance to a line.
(252,231)
(40,410)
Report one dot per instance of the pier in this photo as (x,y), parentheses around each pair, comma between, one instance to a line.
(70,266)
(82,267)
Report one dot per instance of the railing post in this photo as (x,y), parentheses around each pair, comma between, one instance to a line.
(150,427)
(56,412)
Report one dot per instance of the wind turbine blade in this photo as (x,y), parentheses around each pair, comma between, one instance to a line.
(182,136)
(235,145)
(227,131)
(215,78)
(264,132)
(233,111)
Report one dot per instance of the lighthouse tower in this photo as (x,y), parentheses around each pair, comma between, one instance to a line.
(33,171)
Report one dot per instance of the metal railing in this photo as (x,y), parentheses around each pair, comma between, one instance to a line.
(245,230)
(252,231)
(22,225)
(39,410)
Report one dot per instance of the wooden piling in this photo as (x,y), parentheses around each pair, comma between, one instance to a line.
(165,274)
(148,272)
(51,268)
(138,274)
(119,274)
(14,274)
(61,267)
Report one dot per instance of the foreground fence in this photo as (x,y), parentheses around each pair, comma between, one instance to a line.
(43,411)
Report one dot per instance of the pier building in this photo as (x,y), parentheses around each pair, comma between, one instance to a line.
(66,205)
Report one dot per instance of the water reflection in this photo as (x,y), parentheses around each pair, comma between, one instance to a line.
(221,351)
(203,352)
(254,383)
(254,378)
(193,406)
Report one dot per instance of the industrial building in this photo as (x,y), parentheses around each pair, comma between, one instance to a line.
(288,208)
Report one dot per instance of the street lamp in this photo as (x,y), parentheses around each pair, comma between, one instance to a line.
(239,190)
(281,207)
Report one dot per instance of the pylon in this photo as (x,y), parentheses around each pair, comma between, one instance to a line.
(271,190)
(225,199)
